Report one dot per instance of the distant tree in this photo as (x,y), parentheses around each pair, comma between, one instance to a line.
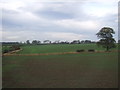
(62,42)
(12,43)
(47,42)
(75,42)
(28,42)
(87,41)
(82,41)
(36,42)
(66,42)
(56,42)
(93,41)
(39,42)
(106,38)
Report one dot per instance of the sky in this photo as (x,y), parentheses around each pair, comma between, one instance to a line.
(64,20)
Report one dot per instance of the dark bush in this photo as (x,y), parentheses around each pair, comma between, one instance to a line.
(15,47)
(82,50)
(91,50)
(12,48)
(5,51)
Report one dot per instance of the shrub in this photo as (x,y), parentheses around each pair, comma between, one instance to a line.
(15,47)
(82,50)
(5,51)
(91,50)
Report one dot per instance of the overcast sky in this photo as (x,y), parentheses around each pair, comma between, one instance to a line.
(57,19)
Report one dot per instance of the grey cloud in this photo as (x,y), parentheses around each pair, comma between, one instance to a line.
(46,13)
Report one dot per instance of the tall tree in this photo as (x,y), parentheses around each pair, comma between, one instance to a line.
(106,38)
(36,42)
(28,42)
(46,41)
(75,42)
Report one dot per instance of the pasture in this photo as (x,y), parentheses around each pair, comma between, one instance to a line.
(82,70)
(30,49)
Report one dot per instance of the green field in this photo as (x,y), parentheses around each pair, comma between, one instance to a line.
(5,48)
(58,48)
(83,70)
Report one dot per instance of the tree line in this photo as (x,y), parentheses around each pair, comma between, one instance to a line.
(105,36)
(37,42)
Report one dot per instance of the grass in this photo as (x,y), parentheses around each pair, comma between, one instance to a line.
(5,48)
(57,48)
(84,70)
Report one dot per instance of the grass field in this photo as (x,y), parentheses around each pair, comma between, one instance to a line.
(58,48)
(83,70)
(5,48)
